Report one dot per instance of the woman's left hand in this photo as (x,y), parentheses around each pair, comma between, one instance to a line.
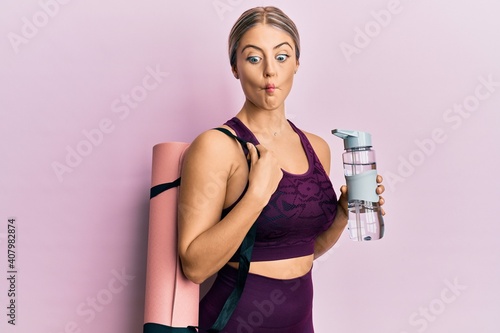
(343,197)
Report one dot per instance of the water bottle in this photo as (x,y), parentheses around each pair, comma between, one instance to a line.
(365,221)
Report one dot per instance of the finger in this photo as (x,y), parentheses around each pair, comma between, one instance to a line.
(380,179)
(343,189)
(259,149)
(252,151)
(380,189)
(381,201)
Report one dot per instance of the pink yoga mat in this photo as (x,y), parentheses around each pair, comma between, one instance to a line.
(171,299)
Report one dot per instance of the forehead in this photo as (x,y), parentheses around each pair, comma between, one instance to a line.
(265,36)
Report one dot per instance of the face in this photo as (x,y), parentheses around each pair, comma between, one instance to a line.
(266,64)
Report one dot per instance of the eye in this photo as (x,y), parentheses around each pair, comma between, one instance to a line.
(253,59)
(282,57)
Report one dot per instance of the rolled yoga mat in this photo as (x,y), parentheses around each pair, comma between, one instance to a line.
(171,299)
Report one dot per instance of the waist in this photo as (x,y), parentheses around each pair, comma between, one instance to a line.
(283,269)
(278,250)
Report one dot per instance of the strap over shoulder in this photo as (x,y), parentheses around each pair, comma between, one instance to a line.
(231,135)
(160,188)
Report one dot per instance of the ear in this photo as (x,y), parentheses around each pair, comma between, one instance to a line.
(235,72)
(297,66)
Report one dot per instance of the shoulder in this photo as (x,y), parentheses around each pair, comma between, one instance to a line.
(212,145)
(319,144)
(321,148)
(211,150)
(212,140)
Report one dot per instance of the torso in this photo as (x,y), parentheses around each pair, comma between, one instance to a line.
(292,158)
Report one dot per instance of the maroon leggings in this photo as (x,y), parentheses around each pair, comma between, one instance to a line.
(267,305)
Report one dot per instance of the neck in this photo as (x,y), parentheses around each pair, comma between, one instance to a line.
(267,123)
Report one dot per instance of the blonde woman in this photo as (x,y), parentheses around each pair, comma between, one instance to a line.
(279,181)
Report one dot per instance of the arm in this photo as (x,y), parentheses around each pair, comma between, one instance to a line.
(206,243)
(327,239)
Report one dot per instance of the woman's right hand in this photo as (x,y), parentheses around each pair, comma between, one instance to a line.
(265,172)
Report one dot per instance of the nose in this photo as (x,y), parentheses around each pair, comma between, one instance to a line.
(269,69)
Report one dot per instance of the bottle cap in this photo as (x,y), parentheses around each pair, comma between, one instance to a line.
(354,139)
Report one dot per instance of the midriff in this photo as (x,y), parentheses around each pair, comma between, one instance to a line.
(281,269)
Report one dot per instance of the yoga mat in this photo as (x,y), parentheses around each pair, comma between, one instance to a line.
(171,299)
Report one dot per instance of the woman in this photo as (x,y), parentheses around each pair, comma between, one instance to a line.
(284,188)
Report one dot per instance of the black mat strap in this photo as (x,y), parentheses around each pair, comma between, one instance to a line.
(155,190)
(158,328)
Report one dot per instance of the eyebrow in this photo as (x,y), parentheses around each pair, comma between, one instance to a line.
(258,48)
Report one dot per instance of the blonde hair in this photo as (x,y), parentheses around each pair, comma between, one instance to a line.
(265,15)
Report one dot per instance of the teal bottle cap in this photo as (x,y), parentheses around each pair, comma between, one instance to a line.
(354,139)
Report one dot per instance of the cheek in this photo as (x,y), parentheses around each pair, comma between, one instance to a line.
(249,78)
(248,85)
(288,79)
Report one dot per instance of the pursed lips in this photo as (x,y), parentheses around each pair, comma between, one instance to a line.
(270,88)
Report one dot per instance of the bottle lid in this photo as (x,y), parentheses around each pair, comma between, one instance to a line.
(354,139)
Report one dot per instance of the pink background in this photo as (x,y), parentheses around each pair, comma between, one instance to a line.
(400,70)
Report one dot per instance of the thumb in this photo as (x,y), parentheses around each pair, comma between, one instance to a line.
(343,189)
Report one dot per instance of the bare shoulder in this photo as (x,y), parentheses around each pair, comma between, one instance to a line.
(321,148)
(212,151)
(211,145)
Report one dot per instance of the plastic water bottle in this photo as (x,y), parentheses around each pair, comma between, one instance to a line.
(365,216)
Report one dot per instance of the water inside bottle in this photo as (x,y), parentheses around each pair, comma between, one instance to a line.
(357,168)
(365,217)
(365,220)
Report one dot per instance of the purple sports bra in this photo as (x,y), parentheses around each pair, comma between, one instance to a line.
(302,207)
